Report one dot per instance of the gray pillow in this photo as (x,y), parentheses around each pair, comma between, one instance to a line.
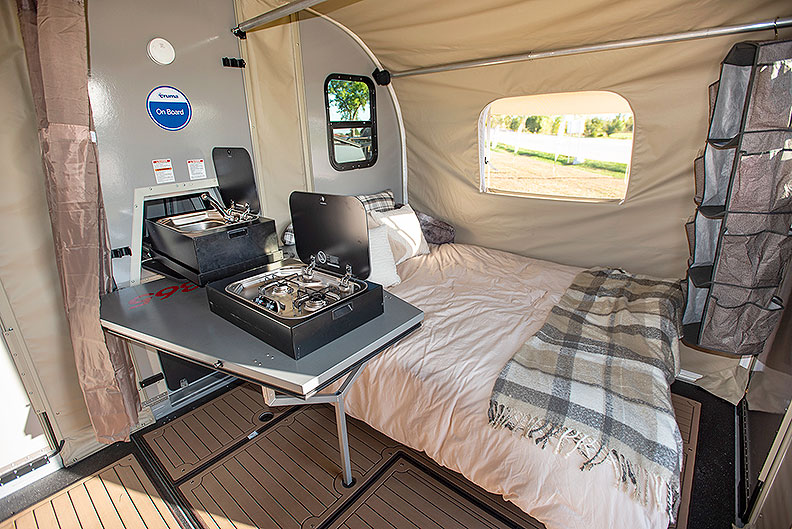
(435,230)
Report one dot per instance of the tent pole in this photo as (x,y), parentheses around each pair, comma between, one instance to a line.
(605,46)
(273,14)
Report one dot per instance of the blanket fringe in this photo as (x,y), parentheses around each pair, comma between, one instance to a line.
(642,486)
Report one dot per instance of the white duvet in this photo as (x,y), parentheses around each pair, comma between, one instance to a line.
(431,390)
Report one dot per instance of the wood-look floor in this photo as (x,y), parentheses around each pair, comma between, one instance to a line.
(118,496)
(688,412)
(288,476)
(195,438)
(409,495)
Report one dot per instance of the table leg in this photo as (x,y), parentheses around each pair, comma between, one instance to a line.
(343,442)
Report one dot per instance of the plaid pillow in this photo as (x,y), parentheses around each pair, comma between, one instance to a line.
(382,201)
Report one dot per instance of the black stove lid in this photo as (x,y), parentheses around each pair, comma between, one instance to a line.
(235,176)
(333,229)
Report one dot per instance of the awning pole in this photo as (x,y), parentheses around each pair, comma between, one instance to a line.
(273,14)
(605,46)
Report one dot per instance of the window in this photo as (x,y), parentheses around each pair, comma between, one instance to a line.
(574,146)
(351,121)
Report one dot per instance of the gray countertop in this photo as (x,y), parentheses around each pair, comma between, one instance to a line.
(174,317)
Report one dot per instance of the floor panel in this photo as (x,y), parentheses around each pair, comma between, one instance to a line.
(120,495)
(195,438)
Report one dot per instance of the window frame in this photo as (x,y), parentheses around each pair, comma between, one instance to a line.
(484,157)
(332,125)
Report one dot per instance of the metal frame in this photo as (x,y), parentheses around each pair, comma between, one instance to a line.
(774,24)
(335,398)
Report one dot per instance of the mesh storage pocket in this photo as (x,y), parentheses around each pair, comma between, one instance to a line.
(690,231)
(728,112)
(736,296)
(771,97)
(695,301)
(755,223)
(706,234)
(740,330)
(751,190)
(753,260)
(698,172)
(718,164)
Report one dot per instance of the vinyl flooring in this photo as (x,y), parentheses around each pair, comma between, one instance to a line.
(235,463)
(189,441)
(118,496)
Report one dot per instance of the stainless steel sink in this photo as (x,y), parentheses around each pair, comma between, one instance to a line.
(193,222)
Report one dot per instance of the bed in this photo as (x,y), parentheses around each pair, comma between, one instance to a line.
(431,391)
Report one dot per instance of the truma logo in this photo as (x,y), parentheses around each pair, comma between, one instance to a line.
(169,108)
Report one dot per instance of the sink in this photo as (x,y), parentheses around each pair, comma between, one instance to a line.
(193,222)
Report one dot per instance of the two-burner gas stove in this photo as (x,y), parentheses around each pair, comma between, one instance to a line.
(300,307)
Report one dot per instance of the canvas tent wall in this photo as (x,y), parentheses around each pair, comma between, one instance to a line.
(666,86)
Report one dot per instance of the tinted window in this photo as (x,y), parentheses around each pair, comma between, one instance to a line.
(351,121)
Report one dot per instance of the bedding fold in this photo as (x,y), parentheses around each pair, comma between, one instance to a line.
(594,380)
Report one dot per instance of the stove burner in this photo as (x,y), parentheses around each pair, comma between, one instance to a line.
(282,289)
(314,304)
(304,281)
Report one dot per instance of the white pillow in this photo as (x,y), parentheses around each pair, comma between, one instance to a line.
(404,232)
(383,268)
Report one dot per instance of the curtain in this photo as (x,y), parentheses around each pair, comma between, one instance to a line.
(56,47)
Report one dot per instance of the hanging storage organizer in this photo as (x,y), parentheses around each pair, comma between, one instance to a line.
(741,235)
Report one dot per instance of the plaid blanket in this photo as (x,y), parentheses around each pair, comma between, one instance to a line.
(595,380)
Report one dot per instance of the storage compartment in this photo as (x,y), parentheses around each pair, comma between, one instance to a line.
(735,76)
(771,94)
(718,164)
(753,261)
(763,176)
(741,329)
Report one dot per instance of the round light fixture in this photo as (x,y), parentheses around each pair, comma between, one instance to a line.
(161,51)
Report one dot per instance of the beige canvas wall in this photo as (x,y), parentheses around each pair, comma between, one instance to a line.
(666,85)
(27,261)
(272,84)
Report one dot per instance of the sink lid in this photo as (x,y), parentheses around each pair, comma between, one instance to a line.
(235,176)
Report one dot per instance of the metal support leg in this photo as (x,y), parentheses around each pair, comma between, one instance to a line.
(271,398)
(343,442)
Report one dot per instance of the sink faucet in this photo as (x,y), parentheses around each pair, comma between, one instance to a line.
(218,206)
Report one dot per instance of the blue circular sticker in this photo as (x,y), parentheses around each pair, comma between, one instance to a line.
(168,108)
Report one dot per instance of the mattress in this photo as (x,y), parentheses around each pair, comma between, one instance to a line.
(431,390)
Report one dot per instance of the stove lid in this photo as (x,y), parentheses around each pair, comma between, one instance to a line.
(235,176)
(333,229)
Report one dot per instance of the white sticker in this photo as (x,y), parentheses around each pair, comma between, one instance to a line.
(196,169)
(163,171)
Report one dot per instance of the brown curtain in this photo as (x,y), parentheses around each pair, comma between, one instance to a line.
(55,37)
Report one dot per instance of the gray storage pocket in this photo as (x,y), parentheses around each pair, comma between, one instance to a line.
(718,164)
(740,330)
(771,97)
(751,190)
(753,260)
(728,113)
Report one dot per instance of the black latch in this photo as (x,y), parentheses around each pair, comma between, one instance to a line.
(153,379)
(233,62)
(117,253)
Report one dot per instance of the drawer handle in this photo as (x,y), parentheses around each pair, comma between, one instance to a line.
(239,232)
